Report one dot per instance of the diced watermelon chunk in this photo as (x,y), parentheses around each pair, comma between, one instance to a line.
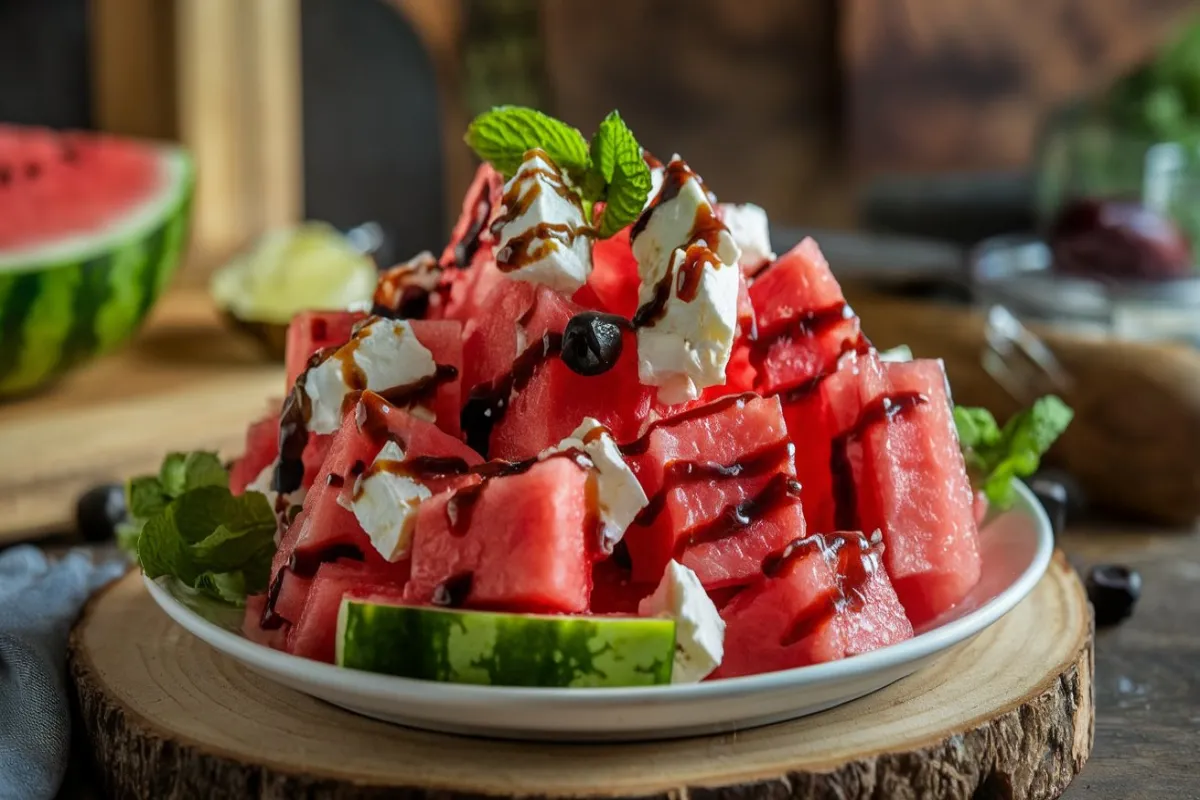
(262,446)
(471,233)
(443,339)
(914,487)
(490,347)
(293,591)
(613,590)
(469,288)
(803,322)
(721,491)
(315,634)
(310,331)
(252,629)
(825,599)
(516,543)
(614,282)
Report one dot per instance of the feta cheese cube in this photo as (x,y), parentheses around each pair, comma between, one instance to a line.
(699,629)
(382,355)
(686,346)
(748,225)
(544,237)
(385,503)
(619,495)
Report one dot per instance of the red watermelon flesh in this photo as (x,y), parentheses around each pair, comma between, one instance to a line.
(468,289)
(310,331)
(443,339)
(293,591)
(490,347)
(71,184)
(252,629)
(614,281)
(803,322)
(315,634)
(613,589)
(516,543)
(824,598)
(262,448)
(471,232)
(325,523)
(556,399)
(704,470)
(914,487)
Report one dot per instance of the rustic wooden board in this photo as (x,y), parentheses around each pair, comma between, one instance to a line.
(1007,714)
(185,383)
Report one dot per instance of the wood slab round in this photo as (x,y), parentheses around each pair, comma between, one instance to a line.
(1005,715)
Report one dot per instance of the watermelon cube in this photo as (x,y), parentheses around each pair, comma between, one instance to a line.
(721,482)
(262,448)
(802,320)
(471,233)
(310,331)
(913,486)
(252,629)
(443,339)
(819,599)
(315,634)
(614,282)
(513,543)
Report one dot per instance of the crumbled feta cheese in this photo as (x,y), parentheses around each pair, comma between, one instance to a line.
(748,225)
(384,353)
(545,243)
(656,181)
(900,353)
(699,629)
(264,482)
(385,504)
(618,494)
(687,347)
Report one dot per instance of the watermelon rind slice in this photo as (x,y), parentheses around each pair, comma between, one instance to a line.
(63,302)
(503,649)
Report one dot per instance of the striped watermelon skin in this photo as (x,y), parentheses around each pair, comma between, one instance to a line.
(54,316)
(499,649)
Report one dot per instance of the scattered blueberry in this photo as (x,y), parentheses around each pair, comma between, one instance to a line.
(1053,497)
(99,511)
(592,342)
(1113,590)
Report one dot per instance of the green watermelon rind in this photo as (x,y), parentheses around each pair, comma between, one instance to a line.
(504,649)
(63,304)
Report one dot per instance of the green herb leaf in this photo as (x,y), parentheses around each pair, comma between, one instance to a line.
(161,551)
(995,456)
(182,472)
(505,134)
(227,586)
(144,497)
(617,160)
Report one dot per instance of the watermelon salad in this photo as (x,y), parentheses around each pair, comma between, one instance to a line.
(606,437)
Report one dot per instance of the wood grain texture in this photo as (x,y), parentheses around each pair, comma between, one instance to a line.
(942,84)
(133,67)
(1135,439)
(186,382)
(1008,714)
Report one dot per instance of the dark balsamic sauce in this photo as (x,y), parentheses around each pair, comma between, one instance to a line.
(303,565)
(460,508)
(422,391)
(453,592)
(883,409)
(404,291)
(639,445)
(780,491)
(335,480)
(520,251)
(809,324)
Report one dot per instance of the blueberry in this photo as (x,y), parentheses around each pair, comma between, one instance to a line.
(591,342)
(1113,590)
(99,511)
(1053,497)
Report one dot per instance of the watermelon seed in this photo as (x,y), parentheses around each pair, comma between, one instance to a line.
(70,153)
(5,175)
(32,170)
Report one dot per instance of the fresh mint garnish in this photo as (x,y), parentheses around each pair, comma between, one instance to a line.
(505,134)
(184,523)
(995,455)
(610,168)
(617,160)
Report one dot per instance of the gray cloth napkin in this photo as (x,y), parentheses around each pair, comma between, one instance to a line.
(39,600)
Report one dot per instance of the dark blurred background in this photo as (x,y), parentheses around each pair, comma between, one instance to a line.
(911,115)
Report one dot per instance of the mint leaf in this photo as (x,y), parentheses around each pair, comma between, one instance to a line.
(183,471)
(505,134)
(144,497)
(172,475)
(249,527)
(227,586)
(161,551)
(996,456)
(617,159)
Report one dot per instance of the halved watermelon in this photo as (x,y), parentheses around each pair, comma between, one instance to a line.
(821,599)
(913,486)
(91,228)
(513,543)
(310,331)
(802,320)
(720,479)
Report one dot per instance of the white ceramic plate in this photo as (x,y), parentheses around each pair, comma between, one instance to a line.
(1016,548)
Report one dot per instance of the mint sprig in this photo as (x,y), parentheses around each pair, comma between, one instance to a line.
(610,168)
(185,524)
(995,455)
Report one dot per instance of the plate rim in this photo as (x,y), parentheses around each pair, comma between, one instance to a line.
(277,664)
